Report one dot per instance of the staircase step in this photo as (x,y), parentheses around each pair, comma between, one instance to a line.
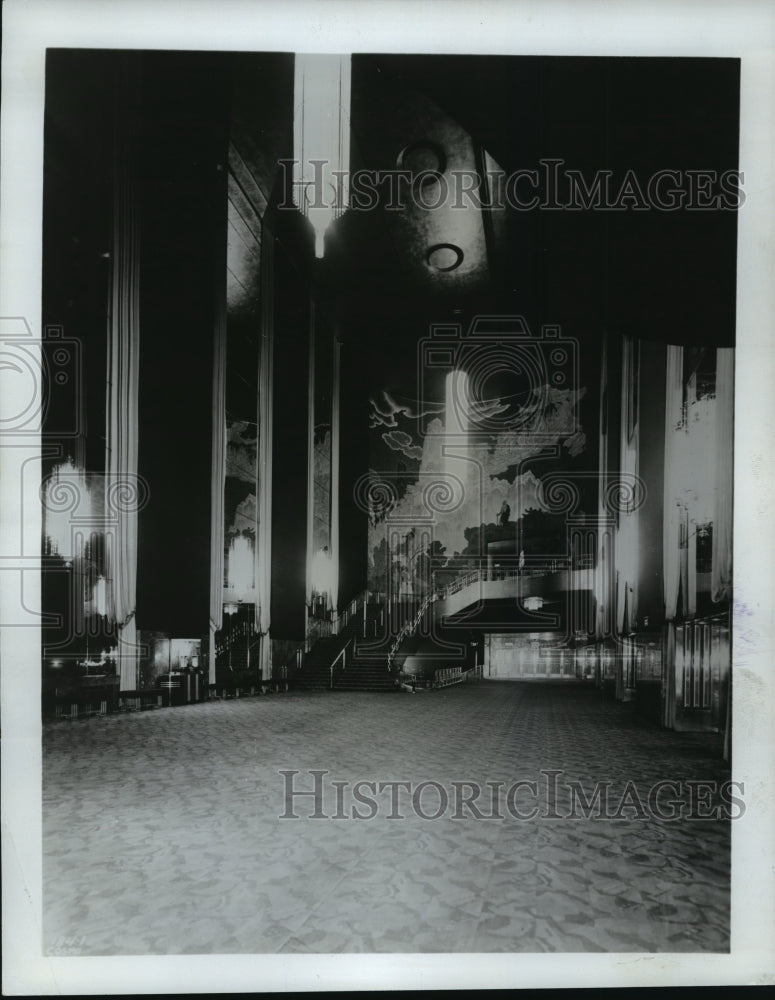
(361,672)
(364,687)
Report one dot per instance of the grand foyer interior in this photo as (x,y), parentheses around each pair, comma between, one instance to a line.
(256,456)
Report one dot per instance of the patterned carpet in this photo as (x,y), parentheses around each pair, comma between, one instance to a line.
(162,832)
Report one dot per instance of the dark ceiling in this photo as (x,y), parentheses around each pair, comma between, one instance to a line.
(655,274)
(665,275)
(660,275)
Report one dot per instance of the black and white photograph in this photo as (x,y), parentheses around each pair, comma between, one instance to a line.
(384,583)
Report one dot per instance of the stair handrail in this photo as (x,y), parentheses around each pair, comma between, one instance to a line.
(409,628)
(341,655)
(342,620)
(440,593)
(458,584)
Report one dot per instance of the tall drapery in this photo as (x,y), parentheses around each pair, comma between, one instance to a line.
(672,512)
(122,496)
(311,417)
(335,435)
(218,477)
(690,599)
(622,594)
(668,677)
(604,591)
(627,536)
(263,551)
(721,574)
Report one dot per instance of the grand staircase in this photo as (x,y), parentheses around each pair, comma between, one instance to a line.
(344,662)
(352,661)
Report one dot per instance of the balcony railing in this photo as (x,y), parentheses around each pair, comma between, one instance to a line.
(484,574)
(527,571)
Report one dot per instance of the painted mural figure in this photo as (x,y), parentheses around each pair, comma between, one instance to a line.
(504,514)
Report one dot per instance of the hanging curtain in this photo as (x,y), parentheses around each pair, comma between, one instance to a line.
(603,594)
(690,607)
(122,494)
(311,417)
(218,477)
(621,647)
(668,677)
(683,560)
(627,535)
(621,602)
(603,585)
(263,549)
(728,723)
(672,513)
(721,570)
(334,494)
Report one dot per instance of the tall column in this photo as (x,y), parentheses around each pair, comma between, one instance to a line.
(121,434)
(290,442)
(184,208)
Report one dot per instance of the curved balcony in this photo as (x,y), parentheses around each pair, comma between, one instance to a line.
(537,580)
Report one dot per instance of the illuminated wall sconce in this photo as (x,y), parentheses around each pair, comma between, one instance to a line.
(321,572)
(100,597)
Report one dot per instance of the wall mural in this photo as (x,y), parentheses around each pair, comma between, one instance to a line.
(438,495)
(240,510)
